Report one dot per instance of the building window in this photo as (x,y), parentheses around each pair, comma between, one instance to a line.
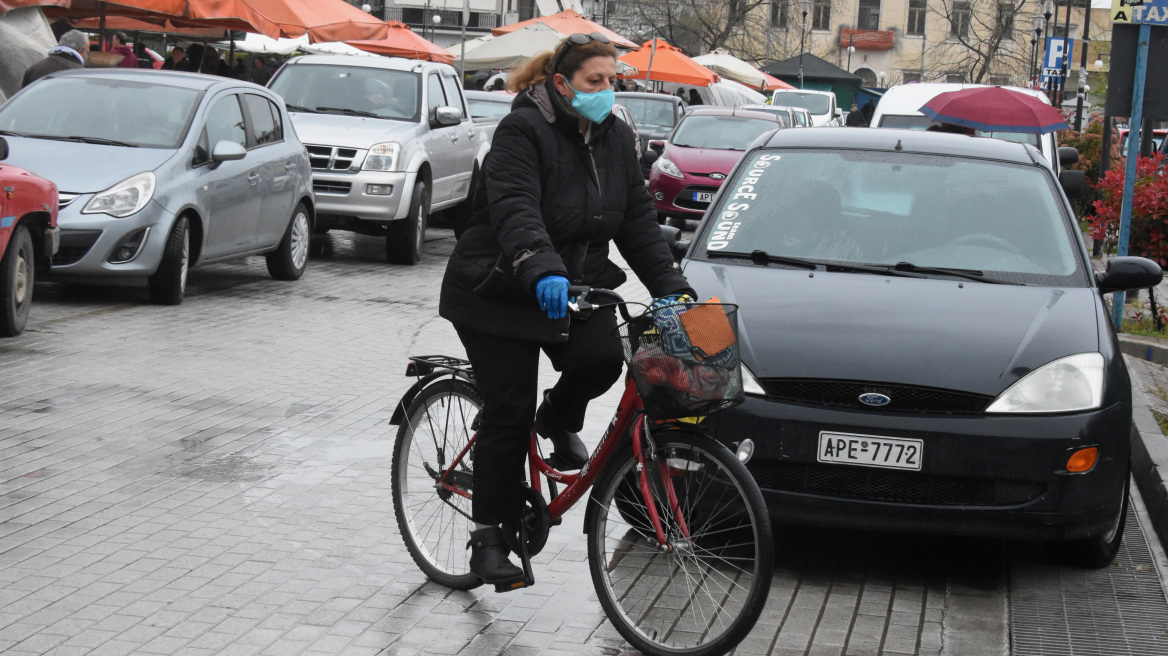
(821,15)
(1000,80)
(959,19)
(779,14)
(916,17)
(526,9)
(1006,20)
(911,76)
(869,16)
(954,78)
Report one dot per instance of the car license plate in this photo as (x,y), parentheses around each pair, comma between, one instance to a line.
(703,196)
(870,451)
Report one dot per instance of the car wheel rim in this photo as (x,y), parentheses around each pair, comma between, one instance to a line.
(184,264)
(423,213)
(299,241)
(20,289)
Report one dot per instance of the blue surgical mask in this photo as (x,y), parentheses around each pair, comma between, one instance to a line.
(593,106)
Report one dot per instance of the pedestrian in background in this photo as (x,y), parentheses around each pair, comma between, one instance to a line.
(121,46)
(260,73)
(868,110)
(855,118)
(193,60)
(172,62)
(71,51)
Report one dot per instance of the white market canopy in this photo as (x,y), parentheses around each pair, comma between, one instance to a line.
(512,49)
(263,45)
(729,66)
(458,48)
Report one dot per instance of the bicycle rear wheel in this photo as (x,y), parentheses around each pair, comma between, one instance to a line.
(435,522)
(705,594)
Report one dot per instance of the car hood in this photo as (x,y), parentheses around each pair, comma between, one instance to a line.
(81,168)
(948,334)
(348,131)
(702,160)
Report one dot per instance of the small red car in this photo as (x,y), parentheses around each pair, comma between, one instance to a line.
(29,237)
(698,155)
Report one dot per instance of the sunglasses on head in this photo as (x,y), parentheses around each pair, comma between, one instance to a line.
(577,39)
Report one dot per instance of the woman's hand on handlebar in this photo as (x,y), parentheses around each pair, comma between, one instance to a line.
(552,294)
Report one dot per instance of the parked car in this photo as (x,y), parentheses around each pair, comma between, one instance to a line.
(802,117)
(698,155)
(786,116)
(160,171)
(391,140)
(655,114)
(29,237)
(489,105)
(898,108)
(820,105)
(925,346)
(623,113)
(1158,138)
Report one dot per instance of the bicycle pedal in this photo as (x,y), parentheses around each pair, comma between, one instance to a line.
(508,586)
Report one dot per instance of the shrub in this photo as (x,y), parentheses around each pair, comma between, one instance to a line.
(1149,221)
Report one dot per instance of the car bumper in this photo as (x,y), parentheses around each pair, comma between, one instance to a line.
(674,196)
(348,195)
(52,242)
(88,240)
(995,476)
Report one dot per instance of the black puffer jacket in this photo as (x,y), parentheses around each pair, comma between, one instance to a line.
(548,204)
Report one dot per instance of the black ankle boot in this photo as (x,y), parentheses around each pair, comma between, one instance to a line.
(569,449)
(488,557)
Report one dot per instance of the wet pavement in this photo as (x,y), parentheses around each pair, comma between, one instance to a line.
(213,478)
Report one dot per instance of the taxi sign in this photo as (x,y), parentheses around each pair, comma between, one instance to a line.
(1149,12)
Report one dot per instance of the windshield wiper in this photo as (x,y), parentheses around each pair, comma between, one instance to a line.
(96,140)
(763,257)
(298,108)
(349,112)
(968,274)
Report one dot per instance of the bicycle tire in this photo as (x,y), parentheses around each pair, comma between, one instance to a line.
(436,427)
(648,594)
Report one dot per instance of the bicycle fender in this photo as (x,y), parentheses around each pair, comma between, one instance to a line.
(399,412)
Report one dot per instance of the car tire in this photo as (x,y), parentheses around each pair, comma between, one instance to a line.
(17,273)
(1098,551)
(403,242)
(169,282)
(290,258)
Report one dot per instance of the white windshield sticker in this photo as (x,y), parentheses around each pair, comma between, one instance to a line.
(728,223)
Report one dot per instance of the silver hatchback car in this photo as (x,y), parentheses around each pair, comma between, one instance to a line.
(160,171)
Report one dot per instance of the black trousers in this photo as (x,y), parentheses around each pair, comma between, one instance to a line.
(507,372)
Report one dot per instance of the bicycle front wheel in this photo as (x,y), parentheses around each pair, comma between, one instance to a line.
(434,521)
(704,594)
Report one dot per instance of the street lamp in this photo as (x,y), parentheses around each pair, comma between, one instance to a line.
(1034,41)
(882,75)
(804,6)
(434,23)
(851,49)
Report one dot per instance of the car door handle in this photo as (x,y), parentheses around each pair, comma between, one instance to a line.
(289,167)
(253,178)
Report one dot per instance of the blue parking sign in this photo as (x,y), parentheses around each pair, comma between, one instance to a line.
(1052,62)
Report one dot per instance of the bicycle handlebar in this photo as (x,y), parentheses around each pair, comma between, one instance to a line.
(584,296)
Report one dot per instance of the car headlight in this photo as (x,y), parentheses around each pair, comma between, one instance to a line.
(1066,385)
(667,167)
(383,157)
(750,384)
(124,198)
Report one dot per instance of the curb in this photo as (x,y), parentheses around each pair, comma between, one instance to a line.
(1149,445)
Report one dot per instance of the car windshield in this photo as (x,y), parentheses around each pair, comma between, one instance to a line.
(922,122)
(356,90)
(482,108)
(781,112)
(854,207)
(97,110)
(816,103)
(720,132)
(1157,141)
(650,112)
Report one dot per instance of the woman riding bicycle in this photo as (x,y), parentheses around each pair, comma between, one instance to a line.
(560,182)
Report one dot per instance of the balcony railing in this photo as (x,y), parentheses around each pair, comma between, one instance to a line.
(416,18)
(867,39)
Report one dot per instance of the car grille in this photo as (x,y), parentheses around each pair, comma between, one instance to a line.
(685,199)
(868,484)
(64,199)
(903,398)
(74,245)
(331,187)
(327,158)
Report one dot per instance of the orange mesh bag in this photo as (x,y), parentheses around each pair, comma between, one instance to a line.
(708,328)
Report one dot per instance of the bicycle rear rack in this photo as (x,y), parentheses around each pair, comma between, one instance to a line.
(424,365)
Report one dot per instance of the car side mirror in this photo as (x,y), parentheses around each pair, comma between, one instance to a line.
(1127,273)
(447,116)
(657,145)
(671,234)
(3,149)
(1074,183)
(1068,155)
(839,113)
(227,151)
(650,157)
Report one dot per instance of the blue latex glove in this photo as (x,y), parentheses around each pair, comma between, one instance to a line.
(552,294)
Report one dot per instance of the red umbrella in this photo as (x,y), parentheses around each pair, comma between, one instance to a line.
(994,109)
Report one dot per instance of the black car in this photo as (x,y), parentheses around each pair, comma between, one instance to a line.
(925,346)
(656,114)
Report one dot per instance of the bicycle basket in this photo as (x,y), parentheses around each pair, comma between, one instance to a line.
(684,359)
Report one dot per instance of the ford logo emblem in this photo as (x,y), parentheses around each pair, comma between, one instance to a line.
(717,176)
(874,399)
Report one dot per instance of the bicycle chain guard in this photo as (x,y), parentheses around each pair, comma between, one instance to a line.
(537,523)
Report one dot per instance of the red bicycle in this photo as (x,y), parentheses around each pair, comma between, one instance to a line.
(679,542)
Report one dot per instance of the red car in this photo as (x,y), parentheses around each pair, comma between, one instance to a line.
(28,238)
(698,155)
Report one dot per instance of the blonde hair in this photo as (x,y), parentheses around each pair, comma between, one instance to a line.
(538,68)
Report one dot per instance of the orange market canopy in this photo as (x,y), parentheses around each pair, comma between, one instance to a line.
(669,64)
(773,83)
(401,41)
(568,22)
